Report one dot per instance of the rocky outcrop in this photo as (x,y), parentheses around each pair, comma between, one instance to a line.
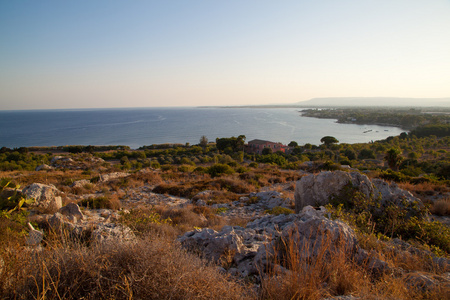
(44,167)
(316,190)
(427,282)
(249,249)
(80,162)
(73,211)
(97,226)
(112,176)
(46,196)
(144,195)
(271,199)
(390,193)
(110,233)
(80,183)
(319,189)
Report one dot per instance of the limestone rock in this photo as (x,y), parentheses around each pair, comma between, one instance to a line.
(45,196)
(248,248)
(44,167)
(72,209)
(375,265)
(34,236)
(109,233)
(316,190)
(271,199)
(112,176)
(59,222)
(391,194)
(424,281)
(321,236)
(80,183)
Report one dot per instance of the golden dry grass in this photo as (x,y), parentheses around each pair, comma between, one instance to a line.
(151,268)
(325,276)
(441,207)
(424,188)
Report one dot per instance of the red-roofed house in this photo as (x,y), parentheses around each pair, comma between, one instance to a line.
(257,146)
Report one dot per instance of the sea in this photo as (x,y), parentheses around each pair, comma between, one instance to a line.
(136,127)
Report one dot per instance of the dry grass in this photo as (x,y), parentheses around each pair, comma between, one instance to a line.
(109,201)
(188,217)
(148,178)
(151,268)
(325,276)
(441,207)
(424,188)
(56,177)
(225,189)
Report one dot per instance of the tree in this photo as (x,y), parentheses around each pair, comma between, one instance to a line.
(393,158)
(266,151)
(328,140)
(293,144)
(350,153)
(203,141)
(366,154)
(232,144)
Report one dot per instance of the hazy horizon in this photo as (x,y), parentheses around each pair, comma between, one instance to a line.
(118,54)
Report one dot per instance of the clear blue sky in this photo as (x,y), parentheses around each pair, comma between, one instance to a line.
(105,53)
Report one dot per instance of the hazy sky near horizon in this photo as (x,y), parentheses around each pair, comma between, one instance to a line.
(108,53)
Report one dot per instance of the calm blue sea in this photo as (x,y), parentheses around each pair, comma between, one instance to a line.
(136,127)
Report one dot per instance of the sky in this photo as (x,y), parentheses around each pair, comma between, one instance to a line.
(109,53)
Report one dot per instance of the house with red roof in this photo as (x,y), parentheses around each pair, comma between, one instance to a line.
(257,146)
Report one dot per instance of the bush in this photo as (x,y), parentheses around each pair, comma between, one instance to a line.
(394,176)
(430,233)
(366,154)
(155,164)
(220,169)
(404,221)
(278,210)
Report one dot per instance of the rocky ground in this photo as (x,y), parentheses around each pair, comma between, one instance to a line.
(250,251)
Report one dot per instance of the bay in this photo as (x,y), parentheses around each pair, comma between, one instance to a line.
(136,127)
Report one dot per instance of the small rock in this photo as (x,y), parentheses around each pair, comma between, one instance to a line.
(72,209)
(34,237)
(44,167)
(110,233)
(80,183)
(112,176)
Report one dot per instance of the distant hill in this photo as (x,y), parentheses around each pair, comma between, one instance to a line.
(377,101)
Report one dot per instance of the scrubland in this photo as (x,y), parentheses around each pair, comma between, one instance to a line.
(155,266)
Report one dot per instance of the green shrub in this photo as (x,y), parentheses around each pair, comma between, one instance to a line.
(394,176)
(431,233)
(220,169)
(155,164)
(278,210)
(405,220)
(330,166)
(200,170)
(185,168)
(10,198)
(167,167)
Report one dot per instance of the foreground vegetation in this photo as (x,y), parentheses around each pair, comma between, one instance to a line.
(156,267)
